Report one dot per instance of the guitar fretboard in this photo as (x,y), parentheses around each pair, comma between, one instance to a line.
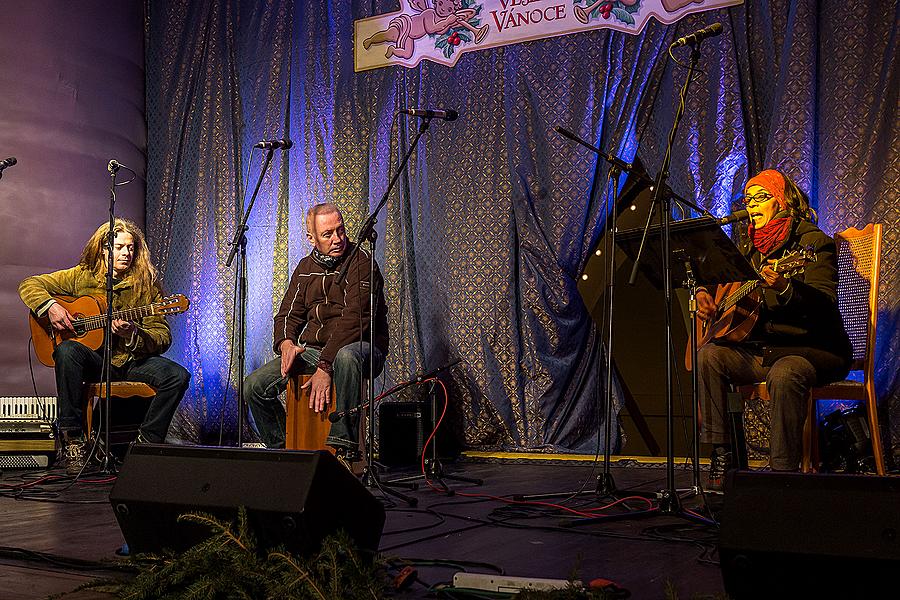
(739,294)
(786,265)
(128,314)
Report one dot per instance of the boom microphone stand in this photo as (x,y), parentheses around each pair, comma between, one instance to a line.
(605,484)
(367,232)
(669,501)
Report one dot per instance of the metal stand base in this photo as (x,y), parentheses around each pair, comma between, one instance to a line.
(434,472)
(371,480)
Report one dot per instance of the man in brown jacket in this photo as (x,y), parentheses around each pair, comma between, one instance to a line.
(322,328)
(136,345)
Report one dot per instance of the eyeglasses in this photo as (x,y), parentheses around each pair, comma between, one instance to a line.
(759,198)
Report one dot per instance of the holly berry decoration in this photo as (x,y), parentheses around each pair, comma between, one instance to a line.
(606,9)
(454,39)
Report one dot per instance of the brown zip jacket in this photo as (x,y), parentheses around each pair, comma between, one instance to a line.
(318,312)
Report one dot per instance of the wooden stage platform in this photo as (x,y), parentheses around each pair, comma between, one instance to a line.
(57,534)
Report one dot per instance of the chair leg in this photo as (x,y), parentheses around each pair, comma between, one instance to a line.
(875,429)
(810,461)
(87,419)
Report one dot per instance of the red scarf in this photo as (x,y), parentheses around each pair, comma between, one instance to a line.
(772,235)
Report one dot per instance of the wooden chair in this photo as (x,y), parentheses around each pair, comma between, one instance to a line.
(859,262)
(94,392)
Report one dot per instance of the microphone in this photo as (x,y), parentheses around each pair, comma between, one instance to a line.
(427,113)
(282,144)
(698,36)
(340,414)
(8,162)
(741,215)
(113,166)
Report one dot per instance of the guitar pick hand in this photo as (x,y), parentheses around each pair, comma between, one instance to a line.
(60,318)
(706,305)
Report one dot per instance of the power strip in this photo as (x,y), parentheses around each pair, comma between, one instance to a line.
(505,583)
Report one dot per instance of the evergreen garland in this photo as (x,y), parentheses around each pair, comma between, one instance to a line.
(228,565)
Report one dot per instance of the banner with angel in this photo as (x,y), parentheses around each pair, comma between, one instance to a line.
(443,30)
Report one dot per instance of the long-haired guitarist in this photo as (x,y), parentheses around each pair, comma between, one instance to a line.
(798,340)
(136,345)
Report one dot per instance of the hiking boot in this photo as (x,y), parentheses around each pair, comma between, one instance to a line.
(719,463)
(347,456)
(73,455)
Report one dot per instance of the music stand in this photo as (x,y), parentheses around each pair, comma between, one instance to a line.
(701,255)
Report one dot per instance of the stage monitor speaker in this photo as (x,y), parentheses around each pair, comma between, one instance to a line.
(294,498)
(795,535)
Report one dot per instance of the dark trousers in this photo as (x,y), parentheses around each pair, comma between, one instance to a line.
(788,381)
(77,364)
(263,387)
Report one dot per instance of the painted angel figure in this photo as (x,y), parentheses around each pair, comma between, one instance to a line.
(404,29)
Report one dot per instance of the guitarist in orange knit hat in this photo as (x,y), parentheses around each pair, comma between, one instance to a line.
(798,340)
(137,343)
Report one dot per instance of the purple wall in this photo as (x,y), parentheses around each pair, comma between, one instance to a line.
(71,99)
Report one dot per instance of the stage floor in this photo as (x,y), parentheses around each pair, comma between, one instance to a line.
(54,541)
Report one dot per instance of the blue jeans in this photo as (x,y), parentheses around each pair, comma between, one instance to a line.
(264,385)
(77,364)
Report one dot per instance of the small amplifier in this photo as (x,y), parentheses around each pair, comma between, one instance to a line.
(24,461)
(403,428)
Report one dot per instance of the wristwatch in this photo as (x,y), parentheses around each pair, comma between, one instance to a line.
(325,366)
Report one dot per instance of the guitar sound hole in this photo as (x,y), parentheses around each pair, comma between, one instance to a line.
(78,325)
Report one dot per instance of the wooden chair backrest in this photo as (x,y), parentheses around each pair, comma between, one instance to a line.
(859,261)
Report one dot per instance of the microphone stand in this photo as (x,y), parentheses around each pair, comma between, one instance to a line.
(107,464)
(239,244)
(370,477)
(669,501)
(606,486)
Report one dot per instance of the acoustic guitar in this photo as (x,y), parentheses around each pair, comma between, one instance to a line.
(89,321)
(738,304)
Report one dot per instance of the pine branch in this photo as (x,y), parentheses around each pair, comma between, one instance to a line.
(305,576)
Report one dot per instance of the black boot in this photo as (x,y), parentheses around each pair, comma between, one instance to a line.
(720,461)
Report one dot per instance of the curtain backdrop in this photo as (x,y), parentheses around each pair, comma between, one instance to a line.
(494,219)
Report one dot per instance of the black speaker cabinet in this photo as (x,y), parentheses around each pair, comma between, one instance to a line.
(794,535)
(295,498)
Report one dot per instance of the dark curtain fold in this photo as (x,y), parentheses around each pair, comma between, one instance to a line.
(487,233)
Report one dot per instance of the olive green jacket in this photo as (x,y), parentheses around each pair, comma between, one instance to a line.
(152,335)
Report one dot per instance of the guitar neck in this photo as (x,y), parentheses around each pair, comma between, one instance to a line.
(742,292)
(128,314)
